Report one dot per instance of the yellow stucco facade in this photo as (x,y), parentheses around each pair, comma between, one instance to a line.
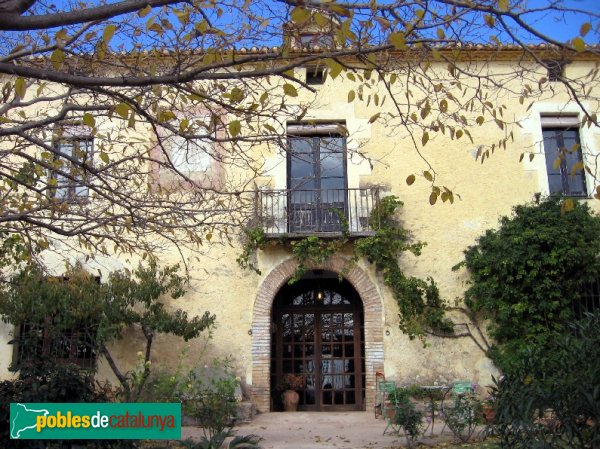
(483,192)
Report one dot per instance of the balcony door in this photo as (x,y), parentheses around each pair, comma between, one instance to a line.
(318,335)
(317,179)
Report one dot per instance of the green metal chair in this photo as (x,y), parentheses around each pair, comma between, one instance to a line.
(382,389)
(389,407)
(461,387)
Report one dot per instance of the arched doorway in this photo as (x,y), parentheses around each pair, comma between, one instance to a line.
(318,335)
(262,324)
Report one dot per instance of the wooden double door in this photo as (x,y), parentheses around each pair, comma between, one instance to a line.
(318,336)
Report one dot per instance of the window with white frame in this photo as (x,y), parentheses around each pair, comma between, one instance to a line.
(69,174)
(195,156)
(564,159)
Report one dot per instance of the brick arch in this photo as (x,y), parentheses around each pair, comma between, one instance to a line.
(261,324)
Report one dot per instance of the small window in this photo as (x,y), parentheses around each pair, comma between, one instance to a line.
(41,340)
(189,156)
(588,301)
(555,69)
(315,75)
(44,339)
(196,157)
(321,40)
(69,176)
(564,160)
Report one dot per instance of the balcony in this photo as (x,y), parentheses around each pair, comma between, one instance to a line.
(324,212)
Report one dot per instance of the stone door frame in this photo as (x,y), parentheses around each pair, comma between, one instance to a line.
(261,326)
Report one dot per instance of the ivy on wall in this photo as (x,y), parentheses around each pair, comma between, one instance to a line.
(421,309)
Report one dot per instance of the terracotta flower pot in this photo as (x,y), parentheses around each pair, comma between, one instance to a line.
(489,414)
(290,399)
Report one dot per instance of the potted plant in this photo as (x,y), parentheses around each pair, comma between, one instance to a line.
(289,385)
(489,413)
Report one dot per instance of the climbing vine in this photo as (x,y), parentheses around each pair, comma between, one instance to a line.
(255,239)
(421,307)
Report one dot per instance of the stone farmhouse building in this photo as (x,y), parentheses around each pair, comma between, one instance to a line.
(339,334)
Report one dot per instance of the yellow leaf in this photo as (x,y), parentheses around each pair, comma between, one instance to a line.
(351,96)
(165,116)
(433,198)
(183,125)
(568,205)
(202,27)
(443,105)
(335,68)
(576,168)
(108,33)
(182,16)
(122,109)
(235,128)
(290,90)
(57,58)
(503,5)
(441,33)
(89,120)
(428,176)
(398,40)
(374,117)
(585,29)
(578,44)
(299,15)
(425,138)
(321,20)
(61,35)
(479,120)
(145,11)
(556,163)
(104,157)
(410,180)
(20,87)
(101,50)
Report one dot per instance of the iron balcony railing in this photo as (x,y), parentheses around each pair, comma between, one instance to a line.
(296,212)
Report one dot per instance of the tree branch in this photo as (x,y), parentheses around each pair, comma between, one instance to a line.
(13,21)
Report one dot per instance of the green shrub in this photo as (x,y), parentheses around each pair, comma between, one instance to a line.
(526,275)
(43,381)
(206,392)
(464,415)
(550,395)
(406,416)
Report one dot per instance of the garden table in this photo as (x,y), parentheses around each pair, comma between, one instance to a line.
(432,391)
